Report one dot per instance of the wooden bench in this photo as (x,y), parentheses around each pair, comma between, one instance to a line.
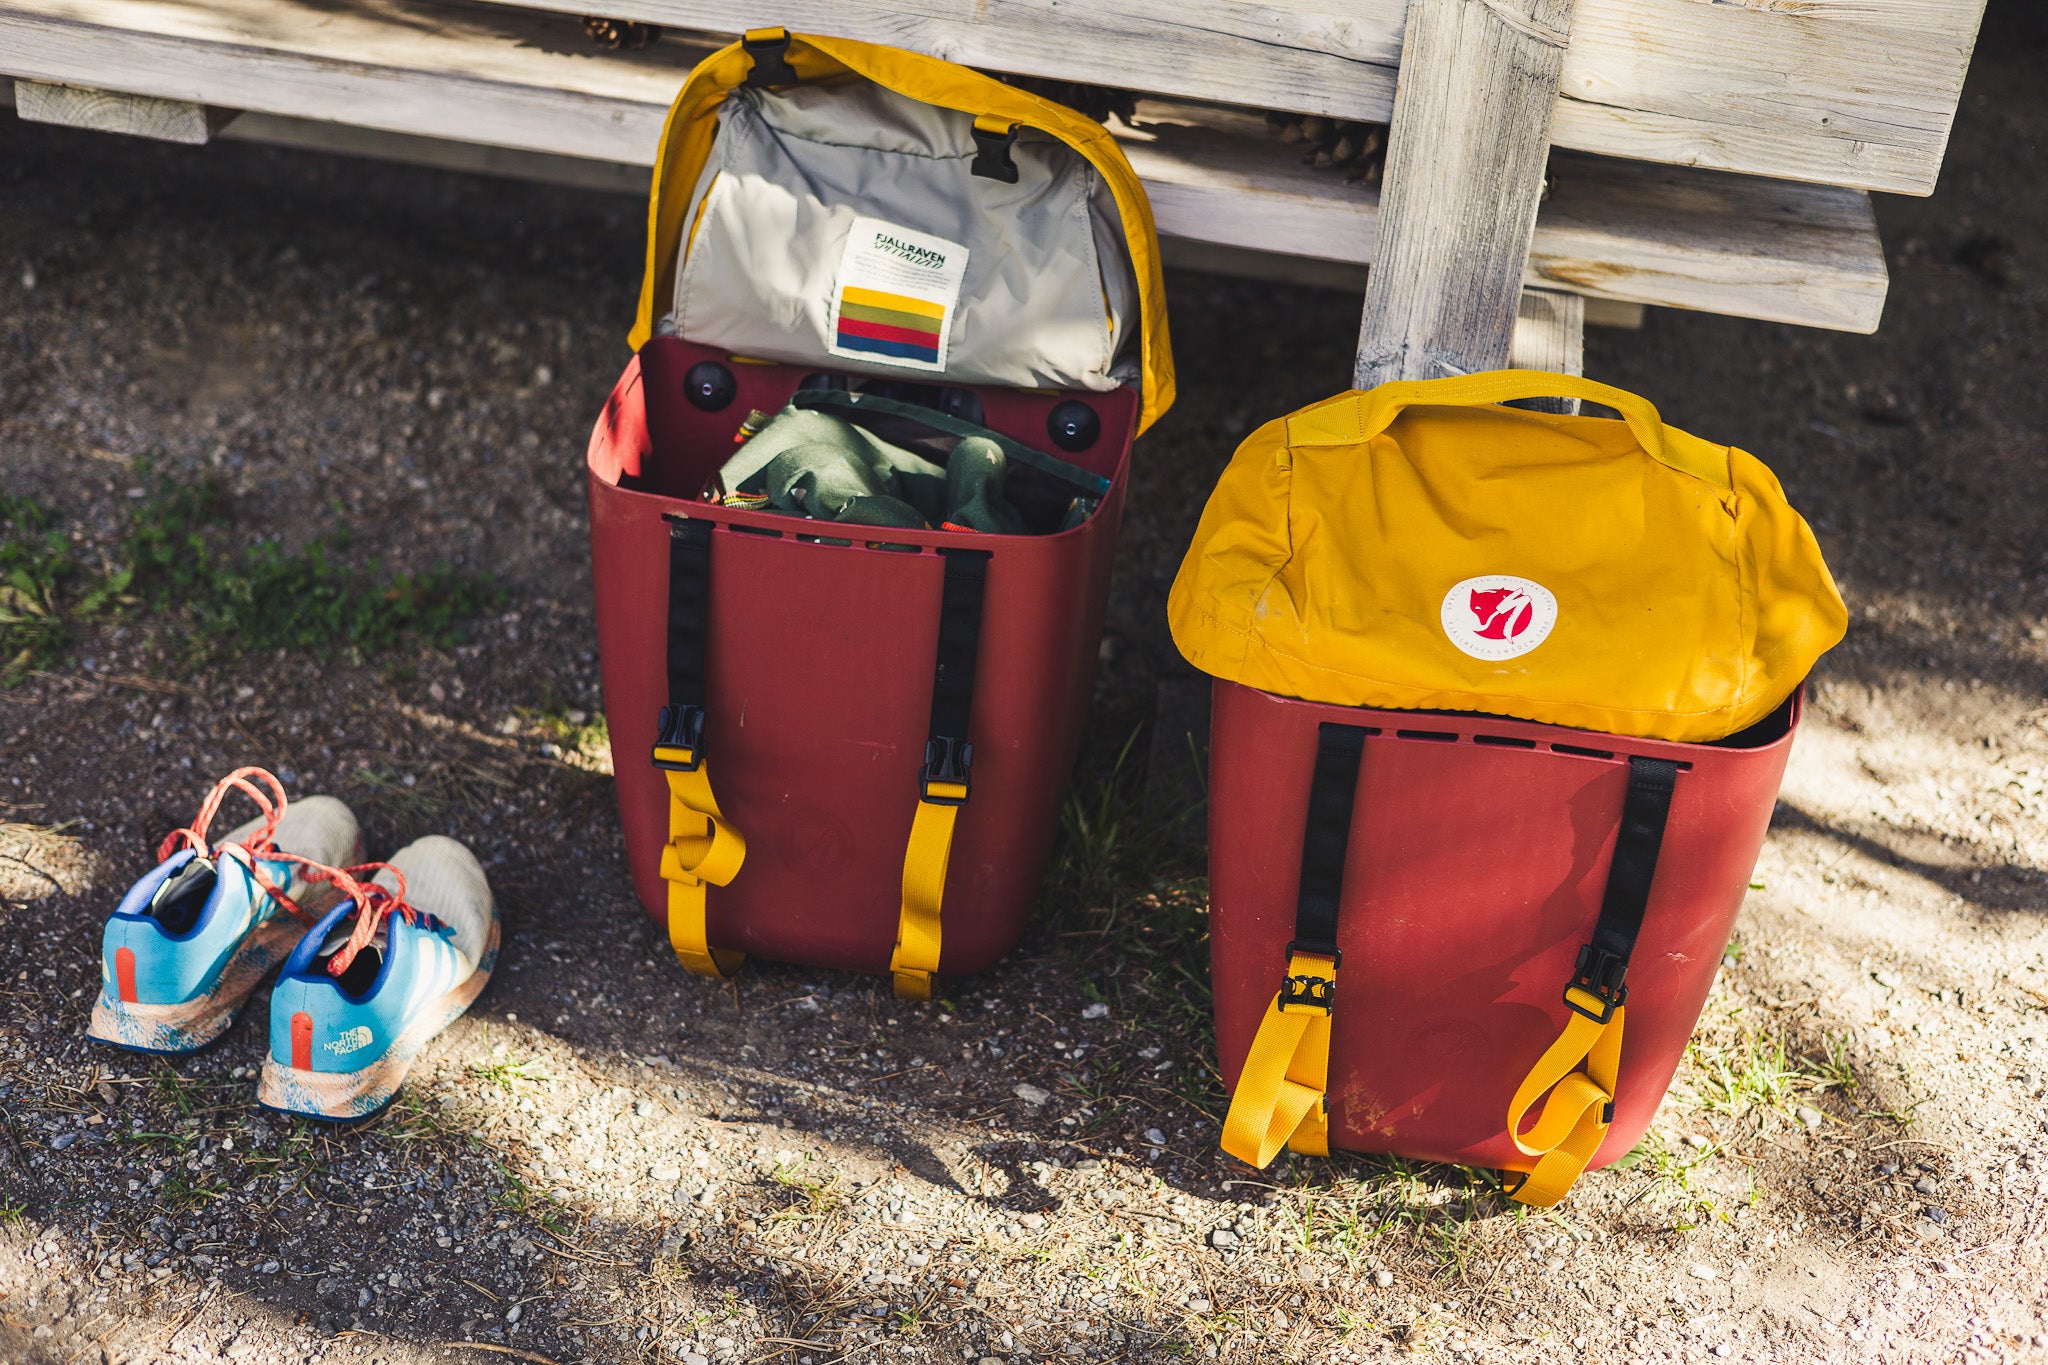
(1718,156)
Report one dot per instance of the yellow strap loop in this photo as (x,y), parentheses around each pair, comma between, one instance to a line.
(924,889)
(1574,1119)
(1280,1096)
(702,851)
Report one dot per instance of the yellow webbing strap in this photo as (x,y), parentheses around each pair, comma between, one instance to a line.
(702,851)
(924,887)
(1574,1119)
(1279,1100)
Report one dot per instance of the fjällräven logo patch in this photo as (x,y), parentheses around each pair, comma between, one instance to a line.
(1498,616)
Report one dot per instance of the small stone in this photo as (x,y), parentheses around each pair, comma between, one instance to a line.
(1925,1185)
(644,1109)
(513,1313)
(1098,1010)
(665,1172)
(1704,1272)
(1935,1213)
(1033,1221)
(268,1268)
(1200,1306)
(1031,1094)
(1694,1140)
(62,1140)
(1554,1263)
(1155,1137)
(1890,980)
(1810,1117)
(1223,1238)
(1721,1349)
(1383,1278)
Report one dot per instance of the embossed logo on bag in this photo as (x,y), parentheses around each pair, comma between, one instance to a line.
(1498,616)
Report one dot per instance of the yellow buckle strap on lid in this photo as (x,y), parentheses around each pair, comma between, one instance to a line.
(1574,1119)
(1279,1100)
(703,851)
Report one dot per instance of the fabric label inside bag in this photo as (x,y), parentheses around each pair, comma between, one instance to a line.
(896,295)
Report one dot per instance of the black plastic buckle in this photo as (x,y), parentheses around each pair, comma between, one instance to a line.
(771,61)
(992,160)
(1598,973)
(682,727)
(1607,1112)
(950,761)
(1316,991)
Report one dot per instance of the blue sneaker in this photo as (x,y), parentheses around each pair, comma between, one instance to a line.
(384,972)
(194,936)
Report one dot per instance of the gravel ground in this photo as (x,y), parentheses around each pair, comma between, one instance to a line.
(610,1161)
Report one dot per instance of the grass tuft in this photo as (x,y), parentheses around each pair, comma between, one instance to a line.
(185,556)
(44,588)
(263,595)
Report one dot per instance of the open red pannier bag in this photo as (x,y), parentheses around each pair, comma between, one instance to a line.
(842,741)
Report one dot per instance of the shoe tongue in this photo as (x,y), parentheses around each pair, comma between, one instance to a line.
(346,925)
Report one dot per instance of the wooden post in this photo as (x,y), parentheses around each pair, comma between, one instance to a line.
(1550,334)
(109,112)
(1468,141)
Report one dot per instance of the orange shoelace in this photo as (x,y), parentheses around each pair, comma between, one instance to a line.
(258,846)
(374,901)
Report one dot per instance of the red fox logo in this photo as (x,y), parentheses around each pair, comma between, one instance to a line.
(1503,613)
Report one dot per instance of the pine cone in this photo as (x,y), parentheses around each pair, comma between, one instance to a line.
(619,35)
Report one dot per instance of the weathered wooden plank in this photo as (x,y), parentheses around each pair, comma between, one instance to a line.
(1848,92)
(470,73)
(1710,241)
(505,79)
(1851,92)
(107,111)
(1465,158)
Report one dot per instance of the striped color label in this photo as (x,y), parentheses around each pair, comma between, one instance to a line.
(895,296)
(890,324)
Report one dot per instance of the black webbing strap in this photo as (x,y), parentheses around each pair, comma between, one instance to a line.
(1603,963)
(947,754)
(680,742)
(1325,840)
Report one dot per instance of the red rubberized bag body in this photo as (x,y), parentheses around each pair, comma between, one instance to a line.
(820,669)
(1478,855)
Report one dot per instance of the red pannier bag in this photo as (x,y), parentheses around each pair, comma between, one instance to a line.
(1451,901)
(846,745)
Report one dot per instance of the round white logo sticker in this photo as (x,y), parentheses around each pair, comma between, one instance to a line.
(1498,616)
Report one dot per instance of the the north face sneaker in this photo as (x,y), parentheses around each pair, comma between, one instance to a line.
(192,938)
(366,991)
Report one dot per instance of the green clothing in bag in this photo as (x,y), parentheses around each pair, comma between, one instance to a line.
(812,462)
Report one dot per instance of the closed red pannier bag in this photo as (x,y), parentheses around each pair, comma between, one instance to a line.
(1467,866)
(819,652)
